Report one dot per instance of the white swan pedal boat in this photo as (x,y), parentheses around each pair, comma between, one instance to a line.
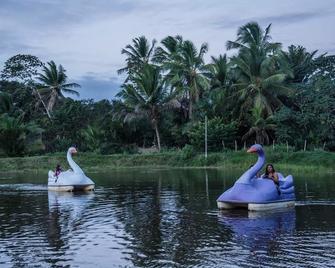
(70,180)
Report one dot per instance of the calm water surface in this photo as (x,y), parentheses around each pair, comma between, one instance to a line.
(154,218)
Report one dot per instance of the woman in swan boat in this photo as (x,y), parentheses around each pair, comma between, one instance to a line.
(70,180)
(259,194)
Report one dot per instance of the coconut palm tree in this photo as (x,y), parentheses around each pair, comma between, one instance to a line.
(260,127)
(220,84)
(17,137)
(138,54)
(186,68)
(252,38)
(169,51)
(219,72)
(146,97)
(262,89)
(261,75)
(92,136)
(300,61)
(54,84)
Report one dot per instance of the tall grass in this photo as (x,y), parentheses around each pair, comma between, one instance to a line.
(307,161)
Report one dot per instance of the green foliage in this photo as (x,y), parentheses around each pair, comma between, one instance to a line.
(92,137)
(262,93)
(187,72)
(260,129)
(18,138)
(300,62)
(314,120)
(312,161)
(137,55)
(261,75)
(5,103)
(21,67)
(54,84)
(145,97)
(65,128)
(187,152)
(219,134)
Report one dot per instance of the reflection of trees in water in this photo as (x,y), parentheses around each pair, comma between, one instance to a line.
(166,217)
(314,186)
(169,217)
(316,217)
(21,224)
(33,223)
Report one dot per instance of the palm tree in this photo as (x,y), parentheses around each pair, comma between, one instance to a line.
(169,51)
(17,137)
(146,97)
(220,83)
(5,102)
(260,127)
(300,61)
(219,72)
(261,75)
(138,55)
(92,136)
(252,38)
(54,84)
(187,71)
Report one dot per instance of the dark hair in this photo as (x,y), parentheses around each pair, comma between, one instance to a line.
(266,169)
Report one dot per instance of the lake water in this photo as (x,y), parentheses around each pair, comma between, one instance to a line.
(163,217)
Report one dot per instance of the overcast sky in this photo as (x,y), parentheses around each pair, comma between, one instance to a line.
(86,36)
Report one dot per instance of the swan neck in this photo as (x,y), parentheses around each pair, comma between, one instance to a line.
(258,165)
(73,165)
(251,172)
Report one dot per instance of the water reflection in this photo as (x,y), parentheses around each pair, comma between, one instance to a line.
(154,218)
(66,211)
(260,231)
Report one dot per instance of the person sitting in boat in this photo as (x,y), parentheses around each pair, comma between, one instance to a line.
(271,174)
(58,170)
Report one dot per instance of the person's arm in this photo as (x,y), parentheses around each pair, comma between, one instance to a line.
(275,177)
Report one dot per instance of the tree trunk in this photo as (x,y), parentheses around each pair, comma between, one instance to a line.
(157,136)
(52,100)
(45,107)
(190,109)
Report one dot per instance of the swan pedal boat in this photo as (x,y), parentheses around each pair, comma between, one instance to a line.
(258,194)
(70,180)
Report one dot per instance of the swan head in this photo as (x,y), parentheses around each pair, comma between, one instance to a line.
(72,150)
(256,148)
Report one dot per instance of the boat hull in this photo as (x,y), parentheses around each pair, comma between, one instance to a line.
(256,206)
(71,188)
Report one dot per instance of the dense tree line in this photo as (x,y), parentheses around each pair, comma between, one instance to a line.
(263,93)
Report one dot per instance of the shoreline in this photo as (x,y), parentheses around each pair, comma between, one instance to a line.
(311,161)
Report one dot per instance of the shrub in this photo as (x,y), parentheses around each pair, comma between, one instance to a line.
(217,133)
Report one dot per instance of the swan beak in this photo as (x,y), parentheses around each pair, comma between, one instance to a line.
(74,151)
(252,150)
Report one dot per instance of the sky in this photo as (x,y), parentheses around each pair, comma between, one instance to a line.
(86,36)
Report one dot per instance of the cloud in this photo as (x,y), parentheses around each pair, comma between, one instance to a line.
(97,89)
(274,19)
(87,36)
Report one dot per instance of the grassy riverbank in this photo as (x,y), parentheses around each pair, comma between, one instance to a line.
(308,161)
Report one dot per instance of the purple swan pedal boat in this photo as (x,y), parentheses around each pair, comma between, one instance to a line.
(257,193)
